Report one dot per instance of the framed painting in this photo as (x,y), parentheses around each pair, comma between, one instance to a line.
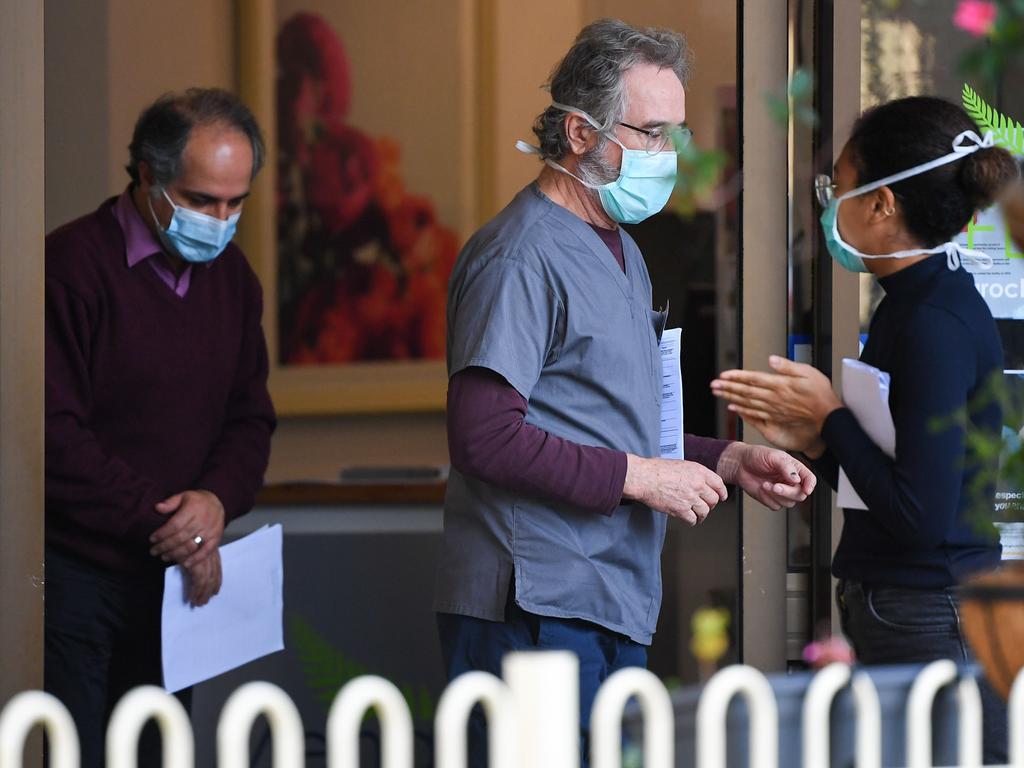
(370,187)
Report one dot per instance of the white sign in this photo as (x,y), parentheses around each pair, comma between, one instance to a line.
(1002,286)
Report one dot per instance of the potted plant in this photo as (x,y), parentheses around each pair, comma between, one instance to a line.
(992,605)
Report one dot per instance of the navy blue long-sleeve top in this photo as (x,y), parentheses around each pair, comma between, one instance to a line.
(935,336)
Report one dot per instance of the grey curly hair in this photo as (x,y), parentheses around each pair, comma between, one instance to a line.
(590,76)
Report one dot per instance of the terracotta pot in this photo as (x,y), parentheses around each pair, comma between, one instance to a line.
(992,613)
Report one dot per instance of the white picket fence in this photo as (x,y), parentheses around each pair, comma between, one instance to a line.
(533,720)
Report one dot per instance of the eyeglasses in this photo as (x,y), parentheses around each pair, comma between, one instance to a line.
(658,139)
(824,189)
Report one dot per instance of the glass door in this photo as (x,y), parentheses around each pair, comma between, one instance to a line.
(821,303)
(911,47)
(809,327)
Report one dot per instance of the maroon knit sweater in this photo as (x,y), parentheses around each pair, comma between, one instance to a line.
(147,393)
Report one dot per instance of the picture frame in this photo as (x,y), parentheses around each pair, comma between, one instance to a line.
(441,164)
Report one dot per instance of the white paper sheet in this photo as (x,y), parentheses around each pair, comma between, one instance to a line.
(671,395)
(866,394)
(242,623)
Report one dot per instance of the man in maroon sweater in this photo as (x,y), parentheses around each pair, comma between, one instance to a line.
(158,418)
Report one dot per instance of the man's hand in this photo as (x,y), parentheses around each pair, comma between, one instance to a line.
(771,476)
(193,514)
(204,578)
(681,489)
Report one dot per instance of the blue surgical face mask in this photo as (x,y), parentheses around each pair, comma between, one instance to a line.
(847,258)
(850,258)
(644,184)
(194,236)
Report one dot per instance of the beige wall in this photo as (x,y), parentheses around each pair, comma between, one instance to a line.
(394,96)
(154,47)
(77,96)
(105,61)
(710,29)
(522,58)
(136,50)
(21,351)
(764,300)
(525,52)
(315,448)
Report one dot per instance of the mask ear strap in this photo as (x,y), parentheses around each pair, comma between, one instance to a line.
(953,260)
(149,202)
(956,254)
(979,142)
(960,151)
(593,123)
(580,112)
(163,191)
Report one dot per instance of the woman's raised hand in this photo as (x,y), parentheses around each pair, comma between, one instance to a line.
(788,406)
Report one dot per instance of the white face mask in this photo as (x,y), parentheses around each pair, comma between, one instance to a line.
(955,253)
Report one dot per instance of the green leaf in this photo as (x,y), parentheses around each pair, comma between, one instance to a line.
(698,174)
(797,101)
(1008,133)
(327,669)
(801,85)
(973,105)
(986,455)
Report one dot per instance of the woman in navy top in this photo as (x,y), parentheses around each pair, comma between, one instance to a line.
(912,174)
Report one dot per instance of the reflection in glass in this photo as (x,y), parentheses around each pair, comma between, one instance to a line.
(802,244)
(912,47)
(908,48)
(691,251)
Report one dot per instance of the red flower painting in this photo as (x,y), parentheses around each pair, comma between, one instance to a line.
(363,262)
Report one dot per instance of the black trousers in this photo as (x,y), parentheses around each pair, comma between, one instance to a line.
(102,640)
(893,625)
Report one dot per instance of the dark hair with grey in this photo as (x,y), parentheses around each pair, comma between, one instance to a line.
(164,127)
(590,77)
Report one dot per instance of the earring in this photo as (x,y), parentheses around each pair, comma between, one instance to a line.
(889,211)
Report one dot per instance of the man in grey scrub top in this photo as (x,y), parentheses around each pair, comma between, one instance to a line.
(557,501)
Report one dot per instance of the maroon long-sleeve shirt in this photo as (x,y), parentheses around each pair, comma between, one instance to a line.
(488,438)
(148,393)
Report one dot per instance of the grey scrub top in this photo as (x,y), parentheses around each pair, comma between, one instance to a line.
(537,297)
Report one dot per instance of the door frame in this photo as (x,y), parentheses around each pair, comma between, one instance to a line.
(763,285)
(21,350)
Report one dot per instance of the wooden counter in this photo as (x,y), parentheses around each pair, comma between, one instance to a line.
(333,494)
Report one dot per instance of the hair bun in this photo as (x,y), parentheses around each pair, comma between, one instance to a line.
(986,173)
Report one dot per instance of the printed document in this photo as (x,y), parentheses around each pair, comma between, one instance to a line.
(671,395)
(866,394)
(241,623)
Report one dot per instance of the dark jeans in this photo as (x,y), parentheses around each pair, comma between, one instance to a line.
(102,640)
(894,625)
(475,644)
